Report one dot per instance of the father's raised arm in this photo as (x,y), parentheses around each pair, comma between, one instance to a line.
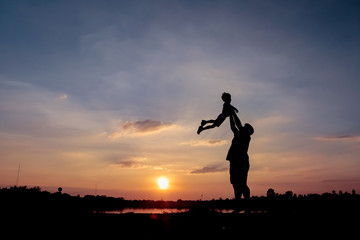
(237,121)
(232,124)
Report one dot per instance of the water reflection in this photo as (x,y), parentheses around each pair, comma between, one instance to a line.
(163,211)
(146,211)
(228,211)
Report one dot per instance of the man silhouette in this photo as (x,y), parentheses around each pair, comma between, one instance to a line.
(238,156)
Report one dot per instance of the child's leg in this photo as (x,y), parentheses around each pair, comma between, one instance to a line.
(219,120)
(204,122)
(215,123)
(201,128)
(209,126)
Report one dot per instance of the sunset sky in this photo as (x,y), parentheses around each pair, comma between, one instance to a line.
(106,96)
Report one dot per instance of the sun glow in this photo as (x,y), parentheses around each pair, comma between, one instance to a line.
(163,182)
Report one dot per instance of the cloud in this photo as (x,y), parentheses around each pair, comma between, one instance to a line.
(135,128)
(209,169)
(339,138)
(205,143)
(133,162)
(63,97)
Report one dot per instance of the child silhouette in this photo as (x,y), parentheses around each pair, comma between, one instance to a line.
(227,110)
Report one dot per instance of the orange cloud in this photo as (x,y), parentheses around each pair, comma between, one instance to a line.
(134,162)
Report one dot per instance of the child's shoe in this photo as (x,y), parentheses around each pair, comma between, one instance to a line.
(199,130)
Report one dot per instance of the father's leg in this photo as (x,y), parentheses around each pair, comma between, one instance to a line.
(246,191)
(237,191)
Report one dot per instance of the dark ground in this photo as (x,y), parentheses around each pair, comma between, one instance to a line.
(185,225)
(35,214)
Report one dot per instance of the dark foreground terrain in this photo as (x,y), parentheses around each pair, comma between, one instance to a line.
(33,213)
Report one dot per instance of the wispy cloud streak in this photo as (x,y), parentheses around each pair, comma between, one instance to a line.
(136,128)
(339,138)
(206,143)
(210,169)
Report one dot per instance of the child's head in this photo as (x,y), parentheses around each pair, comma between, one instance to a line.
(226,97)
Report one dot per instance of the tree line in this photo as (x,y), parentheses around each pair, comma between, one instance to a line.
(24,199)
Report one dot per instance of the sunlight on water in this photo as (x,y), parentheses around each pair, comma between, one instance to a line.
(163,211)
(146,211)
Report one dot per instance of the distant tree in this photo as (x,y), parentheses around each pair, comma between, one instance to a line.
(289,194)
(60,189)
(270,193)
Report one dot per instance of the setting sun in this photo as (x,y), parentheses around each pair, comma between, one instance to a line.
(163,182)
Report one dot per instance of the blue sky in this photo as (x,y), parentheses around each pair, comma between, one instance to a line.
(111,93)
